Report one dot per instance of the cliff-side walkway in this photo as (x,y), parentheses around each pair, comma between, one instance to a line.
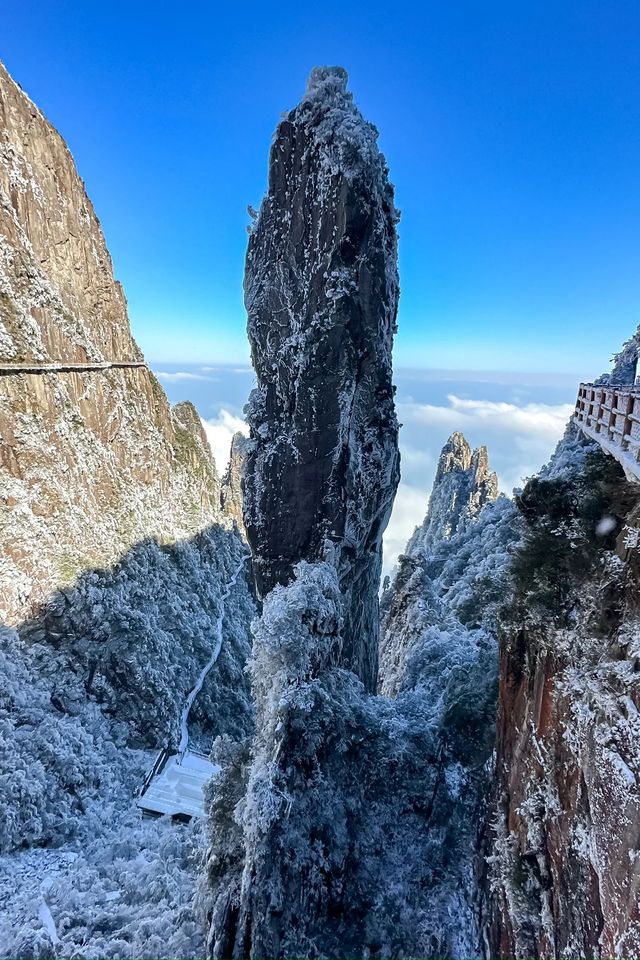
(610,415)
(7,369)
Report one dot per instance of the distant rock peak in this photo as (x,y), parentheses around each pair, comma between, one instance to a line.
(233,479)
(463,484)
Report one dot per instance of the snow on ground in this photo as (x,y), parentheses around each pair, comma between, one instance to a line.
(125,893)
(105,883)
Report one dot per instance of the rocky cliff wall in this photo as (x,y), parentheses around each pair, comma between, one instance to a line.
(231,488)
(92,461)
(564,826)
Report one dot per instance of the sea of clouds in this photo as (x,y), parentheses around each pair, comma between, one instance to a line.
(519,417)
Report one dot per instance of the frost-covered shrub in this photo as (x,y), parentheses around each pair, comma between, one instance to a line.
(125,892)
(138,634)
(462,584)
(562,509)
(114,660)
(336,845)
(455,668)
(51,762)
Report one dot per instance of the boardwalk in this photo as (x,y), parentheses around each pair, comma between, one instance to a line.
(11,369)
(610,415)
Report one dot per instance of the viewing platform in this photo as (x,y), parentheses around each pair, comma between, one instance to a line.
(610,415)
(175,785)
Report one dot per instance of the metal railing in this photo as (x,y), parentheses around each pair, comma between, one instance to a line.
(610,415)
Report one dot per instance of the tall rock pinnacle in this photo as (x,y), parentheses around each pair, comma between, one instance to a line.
(321,292)
(463,485)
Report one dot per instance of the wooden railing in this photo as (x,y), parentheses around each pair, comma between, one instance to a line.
(610,415)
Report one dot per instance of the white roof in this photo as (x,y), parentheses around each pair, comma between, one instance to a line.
(178,787)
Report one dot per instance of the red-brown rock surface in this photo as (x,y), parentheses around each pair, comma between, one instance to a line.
(565,825)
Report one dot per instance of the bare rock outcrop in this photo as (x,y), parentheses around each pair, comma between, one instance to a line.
(321,291)
(92,461)
(231,495)
(462,486)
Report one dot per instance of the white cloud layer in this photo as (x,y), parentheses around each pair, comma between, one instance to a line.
(179,376)
(519,438)
(409,509)
(539,419)
(220,431)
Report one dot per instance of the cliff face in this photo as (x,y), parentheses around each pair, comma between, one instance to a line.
(107,492)
(231,489)
(321,291)
(564,869)
(59,298)
(92,461)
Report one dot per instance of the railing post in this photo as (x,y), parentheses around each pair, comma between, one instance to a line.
(626,427)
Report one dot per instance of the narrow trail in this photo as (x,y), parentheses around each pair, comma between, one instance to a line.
(184,717)
(9,369)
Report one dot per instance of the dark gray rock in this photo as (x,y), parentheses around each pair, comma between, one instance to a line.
(321,291)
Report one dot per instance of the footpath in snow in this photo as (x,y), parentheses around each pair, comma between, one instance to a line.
(177,787)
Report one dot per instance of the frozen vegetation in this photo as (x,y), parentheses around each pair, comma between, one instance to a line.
(75,717)
(357,812)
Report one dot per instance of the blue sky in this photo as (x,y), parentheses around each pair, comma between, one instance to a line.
(511,130)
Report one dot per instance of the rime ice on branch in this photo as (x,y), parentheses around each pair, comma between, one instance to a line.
(321,291)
